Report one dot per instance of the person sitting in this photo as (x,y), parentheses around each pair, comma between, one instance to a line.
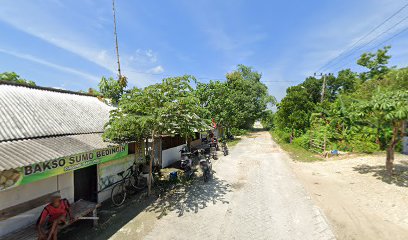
(54,214)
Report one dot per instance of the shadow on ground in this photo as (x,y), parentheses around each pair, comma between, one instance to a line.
(188,197)
(191,197)
(111,219)
(399,178)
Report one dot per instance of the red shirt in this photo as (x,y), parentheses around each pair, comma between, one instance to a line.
(53,213)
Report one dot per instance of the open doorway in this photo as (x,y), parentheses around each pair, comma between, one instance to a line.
(85,184)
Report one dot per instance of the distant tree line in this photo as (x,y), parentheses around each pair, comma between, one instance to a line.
(360,112)
(182,105)
(15,78)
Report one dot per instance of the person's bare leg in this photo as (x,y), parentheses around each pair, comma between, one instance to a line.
(53,229)
(55,234)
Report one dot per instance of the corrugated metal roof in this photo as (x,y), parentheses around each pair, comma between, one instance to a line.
(14,154)
(28,113)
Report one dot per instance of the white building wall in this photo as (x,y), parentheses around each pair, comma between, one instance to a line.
(405,145)
(11,197)
(108,175)
(171,155)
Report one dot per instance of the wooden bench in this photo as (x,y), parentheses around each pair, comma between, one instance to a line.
(79,209)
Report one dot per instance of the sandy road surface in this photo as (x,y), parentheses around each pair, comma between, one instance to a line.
(254,195)
(358,197)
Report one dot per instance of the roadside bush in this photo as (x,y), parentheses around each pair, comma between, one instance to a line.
(267,120)
(281,136)
(238,132)
(364,146)
(341,146)
(302,141)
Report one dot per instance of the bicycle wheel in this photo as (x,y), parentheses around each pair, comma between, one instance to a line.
(134,181)
(118,194)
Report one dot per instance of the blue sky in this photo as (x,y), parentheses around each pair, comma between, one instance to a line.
(70,44)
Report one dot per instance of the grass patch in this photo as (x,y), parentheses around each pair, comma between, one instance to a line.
(234,142)
(296,152)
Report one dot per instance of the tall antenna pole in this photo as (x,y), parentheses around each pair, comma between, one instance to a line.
(116,39)
(323,88)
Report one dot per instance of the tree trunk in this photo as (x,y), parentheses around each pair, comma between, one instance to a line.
(188,141)
(160,152)
(389,162)
(149,182)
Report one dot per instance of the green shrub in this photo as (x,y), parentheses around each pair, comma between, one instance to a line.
(341,146)
(364,146)
(238,132)
(281,136)
(302,141)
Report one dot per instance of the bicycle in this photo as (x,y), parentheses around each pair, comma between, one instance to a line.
(130,182)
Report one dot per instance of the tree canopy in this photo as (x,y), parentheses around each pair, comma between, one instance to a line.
(361,112)
(237,102)
(112,89)
(169,107)
(14,77)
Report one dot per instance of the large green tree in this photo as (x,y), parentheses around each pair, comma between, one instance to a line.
(112,89)
(239,101)
(295,109)
(390,109)
(169,107)
(376,63)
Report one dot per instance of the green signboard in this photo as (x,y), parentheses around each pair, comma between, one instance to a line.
(42,170)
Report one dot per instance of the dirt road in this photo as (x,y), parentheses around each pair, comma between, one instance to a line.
(358,197)
(254,195)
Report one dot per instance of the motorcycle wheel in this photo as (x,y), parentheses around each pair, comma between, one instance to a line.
(205,177)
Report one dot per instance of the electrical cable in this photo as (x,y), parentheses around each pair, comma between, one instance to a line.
(325,66)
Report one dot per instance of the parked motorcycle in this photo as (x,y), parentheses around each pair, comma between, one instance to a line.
(205,165)
(213,151)
(224,148)
(186,162)
(215,141)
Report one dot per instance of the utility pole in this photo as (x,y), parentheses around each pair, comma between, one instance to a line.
(116,39)
(323,88)
(324,84)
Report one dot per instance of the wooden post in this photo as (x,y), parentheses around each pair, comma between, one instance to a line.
(95,215)
(160,152)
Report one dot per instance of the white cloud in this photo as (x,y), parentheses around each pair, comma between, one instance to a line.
(156,70)
(144,57)
(52,65)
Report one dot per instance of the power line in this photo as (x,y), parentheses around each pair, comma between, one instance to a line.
(372,40)
(388,39)
(325,66)
(381,43)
